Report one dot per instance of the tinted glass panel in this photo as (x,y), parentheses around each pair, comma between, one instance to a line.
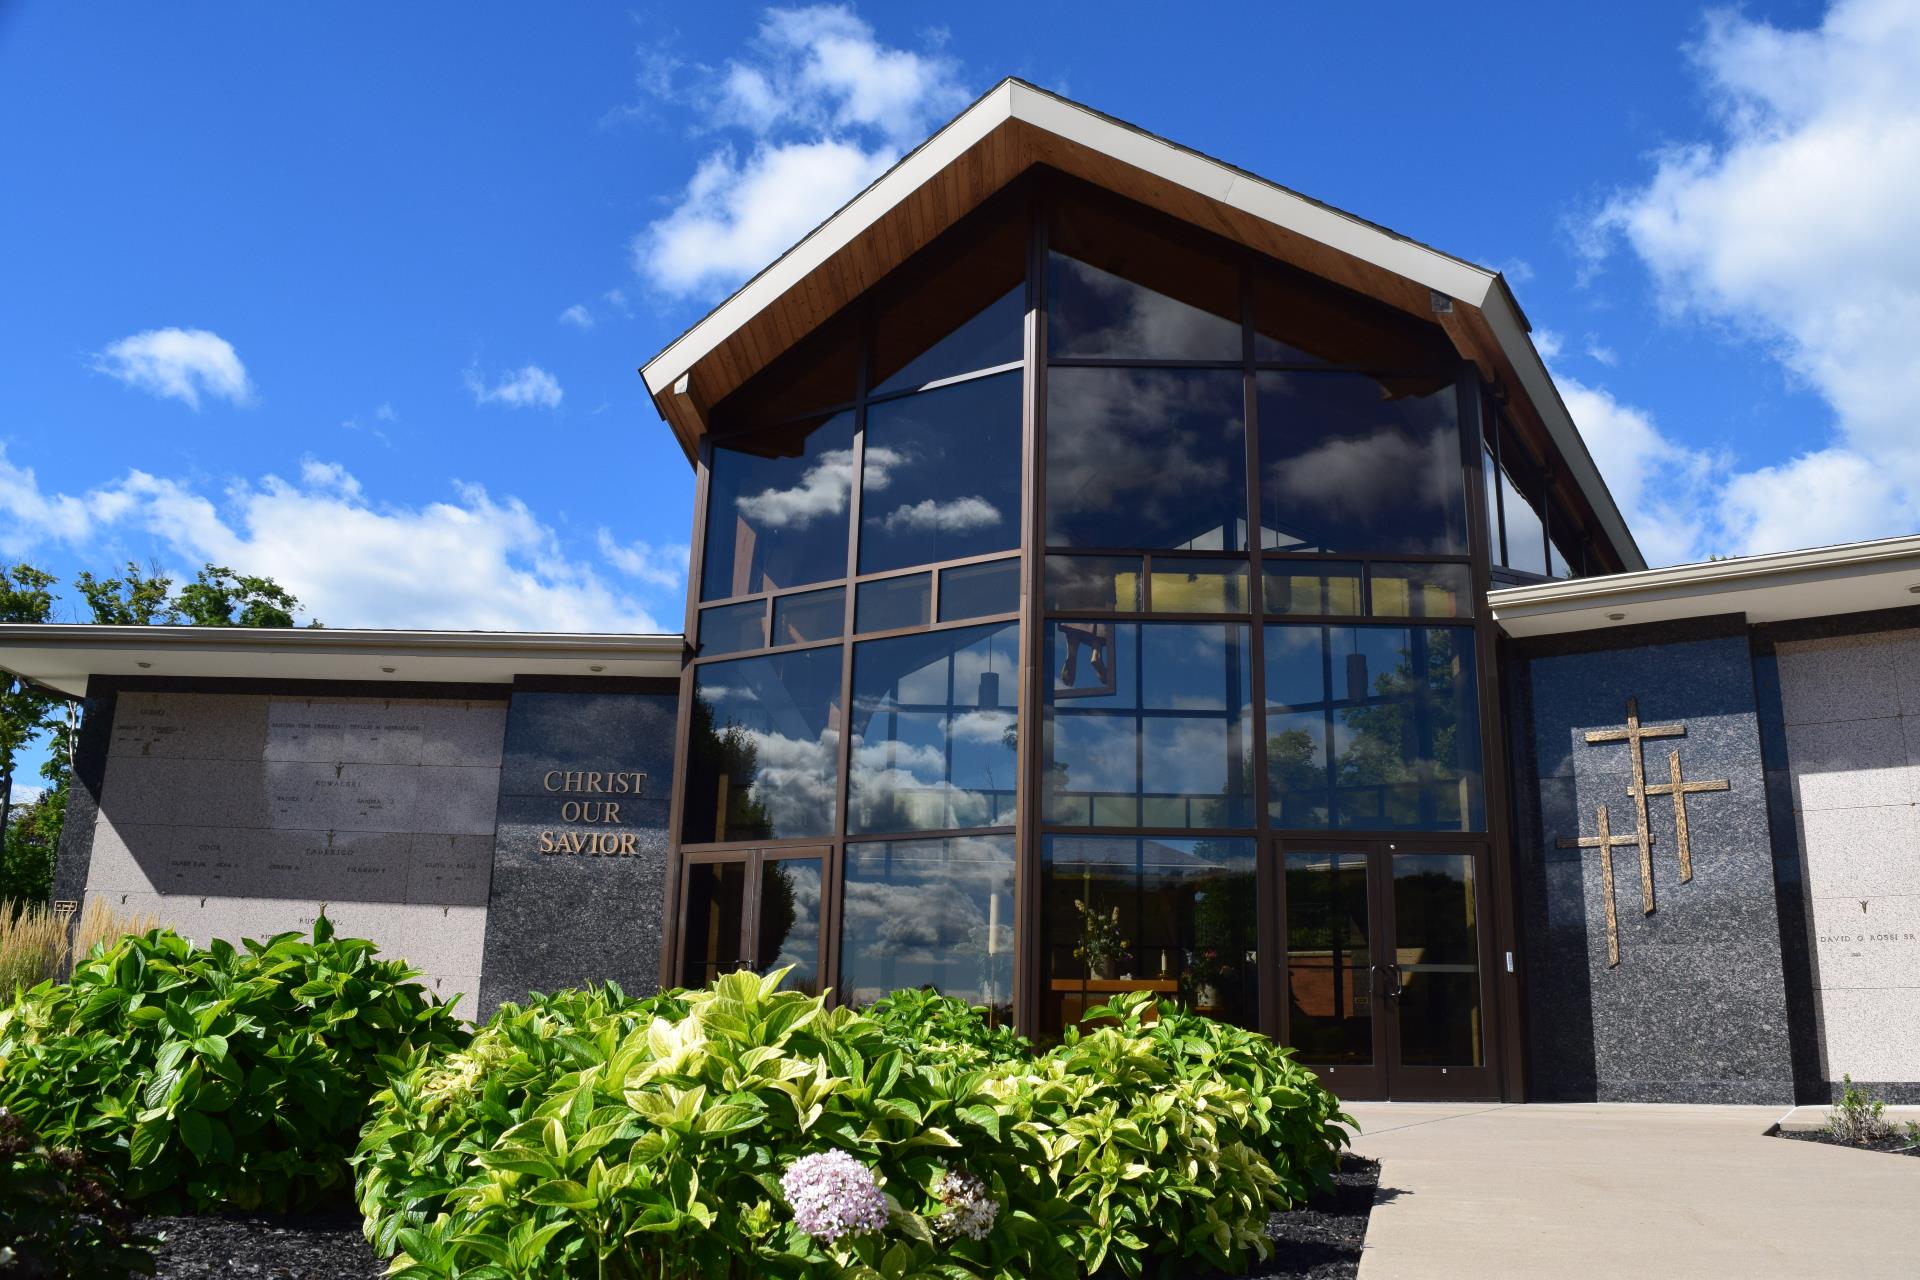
(1373,728)
(789,931)
(1107,583)
(1146,458)
(1436,929)
(1490,481)
(1199,586)
(1420,590)
(1329,962)
(1348,464)
(933,745)
(1559,562)
(734,628)
(1311,588)
(930,913)
(814,615)
(891,603)
(1299,319)
(1526,537)
(762,747)
(976,590)
(957,307)
(716,898)
(941,475)
(777,509)
(1174,917)
(1119,285)
(993,336)
(1147,724)
(819,373)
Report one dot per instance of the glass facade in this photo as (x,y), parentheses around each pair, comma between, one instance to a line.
(1172,621)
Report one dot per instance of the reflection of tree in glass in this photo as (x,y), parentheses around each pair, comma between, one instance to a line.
(777,914)
(1410,725)
(725,758)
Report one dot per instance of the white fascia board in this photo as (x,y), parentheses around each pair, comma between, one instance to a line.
(63,657)
(830,237)
(1779,587)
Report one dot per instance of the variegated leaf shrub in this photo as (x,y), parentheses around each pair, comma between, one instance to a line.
(707,1133)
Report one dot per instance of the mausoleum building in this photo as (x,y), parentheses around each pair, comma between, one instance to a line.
(1111,572)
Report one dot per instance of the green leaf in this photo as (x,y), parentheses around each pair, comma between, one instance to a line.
(196,1133)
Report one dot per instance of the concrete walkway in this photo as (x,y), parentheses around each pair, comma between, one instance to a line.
(1622,1191)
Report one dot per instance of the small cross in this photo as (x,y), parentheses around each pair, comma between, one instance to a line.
(1680,791)
(1605,842)
(1633,735)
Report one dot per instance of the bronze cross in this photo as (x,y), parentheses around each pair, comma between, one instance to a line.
(1605,842)
(1680,791)
(1633,735)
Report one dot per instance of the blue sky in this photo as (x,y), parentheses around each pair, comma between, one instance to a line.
(354,295)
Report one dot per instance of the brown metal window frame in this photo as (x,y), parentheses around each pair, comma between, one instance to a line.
(1035,191)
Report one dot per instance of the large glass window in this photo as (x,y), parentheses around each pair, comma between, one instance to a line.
(930,913)
(1329,958)
(1147,724)
(941,475)
(1373,727)
(1526,536)
(1353,463)
(777,508)
(762,754)
(1146,458)
(1122,285)
(1301,319)
(933,730)
(1175,917)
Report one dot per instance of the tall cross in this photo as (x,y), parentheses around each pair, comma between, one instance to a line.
(1680,790)
(1633,735)
(1605,841)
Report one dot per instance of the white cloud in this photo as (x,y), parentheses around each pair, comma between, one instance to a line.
(827,109)
(578,316)
(1794,227)
(955,516)
(179,364)
(1665,490)
(662,566)
(473,563)
(528,387)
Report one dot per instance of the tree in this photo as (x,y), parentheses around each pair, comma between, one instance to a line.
(26,711)
(137,600)
(212,598)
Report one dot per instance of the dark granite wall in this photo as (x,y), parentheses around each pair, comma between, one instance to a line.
(1696,1009)
(563,919)
(75,856)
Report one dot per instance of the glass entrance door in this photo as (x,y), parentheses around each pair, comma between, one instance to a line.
(760,910)
(1386,953)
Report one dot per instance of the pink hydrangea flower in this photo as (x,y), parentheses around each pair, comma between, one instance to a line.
(834,1195)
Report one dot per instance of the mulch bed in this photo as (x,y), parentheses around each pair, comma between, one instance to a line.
(313,1246)
(1898,1145)
(1320,1241)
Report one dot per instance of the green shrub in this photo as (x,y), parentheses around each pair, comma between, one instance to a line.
(60,1215)
(591,1135)
(922,1021)
(209,1077)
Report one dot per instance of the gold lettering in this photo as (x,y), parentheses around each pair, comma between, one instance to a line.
(593,781)
(546,842)
(628,843)
(573,781)
(570,811)
(613,811)
(547,780)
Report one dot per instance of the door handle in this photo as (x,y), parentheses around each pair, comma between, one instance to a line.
(1398,986)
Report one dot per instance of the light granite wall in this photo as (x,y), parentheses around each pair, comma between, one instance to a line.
(243,815)
(1851,712)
